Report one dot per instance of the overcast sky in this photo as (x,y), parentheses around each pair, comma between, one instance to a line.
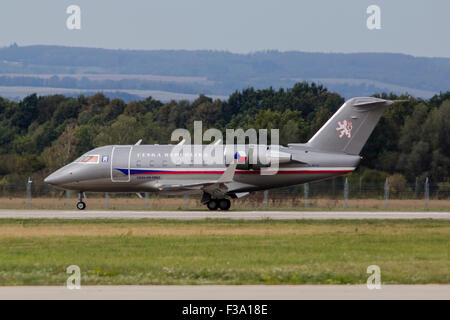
(417,27)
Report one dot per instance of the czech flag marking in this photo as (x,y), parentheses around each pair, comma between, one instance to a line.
(240,156)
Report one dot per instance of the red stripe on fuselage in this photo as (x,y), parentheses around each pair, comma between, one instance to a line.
(244,172)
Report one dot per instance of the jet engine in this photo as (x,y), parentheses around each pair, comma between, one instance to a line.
(255,156)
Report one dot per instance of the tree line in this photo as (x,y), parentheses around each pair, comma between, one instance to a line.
(42,133)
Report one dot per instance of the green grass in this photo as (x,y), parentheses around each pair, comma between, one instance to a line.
(223,251)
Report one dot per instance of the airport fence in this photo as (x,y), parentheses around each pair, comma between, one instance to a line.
(340,192)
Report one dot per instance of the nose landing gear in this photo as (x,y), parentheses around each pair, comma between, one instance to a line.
(81,205)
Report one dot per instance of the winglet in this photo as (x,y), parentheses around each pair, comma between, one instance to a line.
(228,175)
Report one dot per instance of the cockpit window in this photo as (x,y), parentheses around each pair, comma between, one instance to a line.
(88,159)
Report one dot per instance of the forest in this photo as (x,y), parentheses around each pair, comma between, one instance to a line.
(42,133)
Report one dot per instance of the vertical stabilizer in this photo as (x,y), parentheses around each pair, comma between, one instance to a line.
(349,128)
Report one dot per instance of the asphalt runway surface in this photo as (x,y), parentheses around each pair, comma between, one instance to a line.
(196,215)
(241,292)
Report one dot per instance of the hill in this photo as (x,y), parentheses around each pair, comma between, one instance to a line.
(214,72)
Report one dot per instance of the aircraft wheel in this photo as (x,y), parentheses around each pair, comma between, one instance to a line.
(212,205)
(224,204)
(81,205)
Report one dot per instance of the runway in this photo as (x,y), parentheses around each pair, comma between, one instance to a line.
(242,292)
(197,215)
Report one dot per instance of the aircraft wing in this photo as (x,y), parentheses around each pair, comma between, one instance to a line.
(216,187)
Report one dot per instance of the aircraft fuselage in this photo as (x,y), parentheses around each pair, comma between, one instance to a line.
(142,168)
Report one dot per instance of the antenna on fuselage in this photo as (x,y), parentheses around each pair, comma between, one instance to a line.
(138,143)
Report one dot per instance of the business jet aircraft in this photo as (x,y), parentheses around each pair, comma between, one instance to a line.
(332,151)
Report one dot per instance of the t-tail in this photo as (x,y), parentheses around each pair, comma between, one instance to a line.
(349,128)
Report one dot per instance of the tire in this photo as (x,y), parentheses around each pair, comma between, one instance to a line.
(212,205)
(224,204)
(81,205)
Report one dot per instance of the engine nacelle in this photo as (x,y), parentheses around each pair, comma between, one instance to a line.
(255,156)
(263,156)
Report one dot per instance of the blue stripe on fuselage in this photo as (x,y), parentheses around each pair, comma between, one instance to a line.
(139,171)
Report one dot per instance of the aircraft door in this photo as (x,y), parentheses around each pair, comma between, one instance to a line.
(120,164)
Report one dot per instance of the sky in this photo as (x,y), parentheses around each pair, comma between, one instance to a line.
(416,27)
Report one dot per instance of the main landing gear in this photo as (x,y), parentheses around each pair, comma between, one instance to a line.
(214,204)
(81,205)
(222,204)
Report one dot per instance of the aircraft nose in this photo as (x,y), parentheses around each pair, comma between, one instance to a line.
(67,175)
(60,177)
(52,179)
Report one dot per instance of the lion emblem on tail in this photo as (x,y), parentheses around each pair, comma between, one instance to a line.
(345,128)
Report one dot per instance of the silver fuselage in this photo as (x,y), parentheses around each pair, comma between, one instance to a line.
(142,168)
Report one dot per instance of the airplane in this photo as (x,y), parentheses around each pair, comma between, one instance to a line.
(332,151)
